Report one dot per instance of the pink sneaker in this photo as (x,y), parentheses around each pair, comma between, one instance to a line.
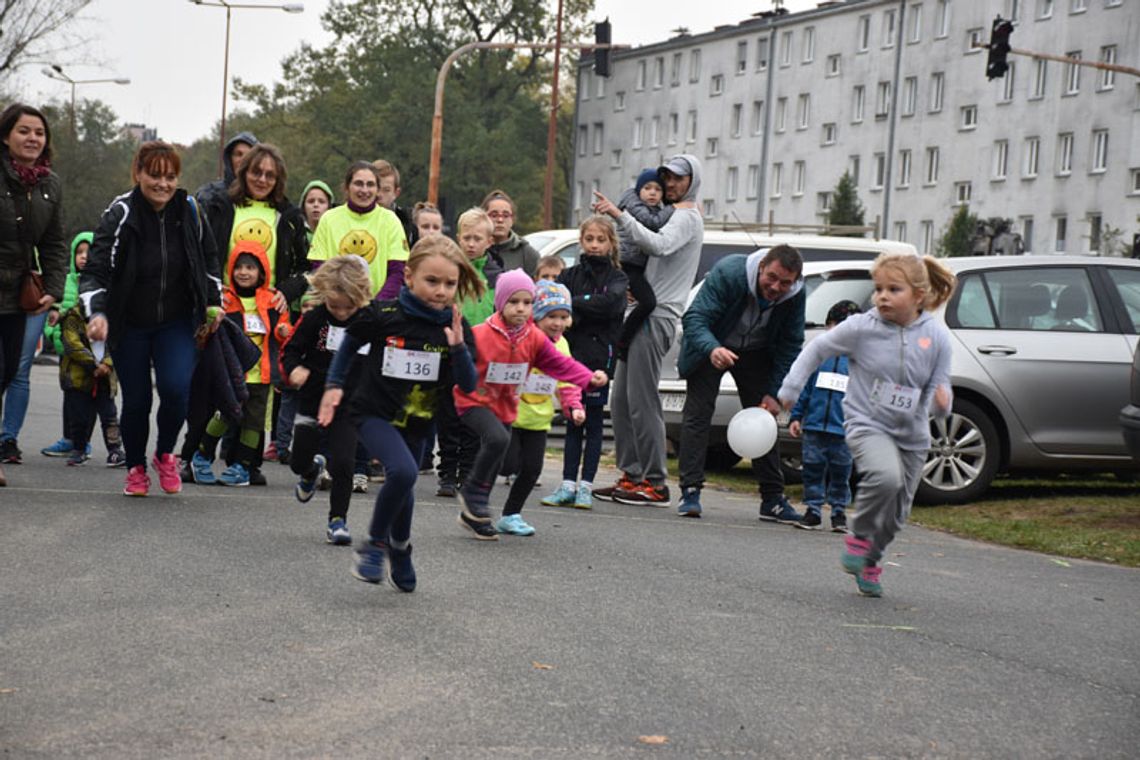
(138,482)
(168,477)
(855,553)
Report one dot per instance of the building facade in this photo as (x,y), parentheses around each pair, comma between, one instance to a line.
(778,107)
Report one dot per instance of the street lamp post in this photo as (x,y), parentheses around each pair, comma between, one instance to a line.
(287,7)
(55,71)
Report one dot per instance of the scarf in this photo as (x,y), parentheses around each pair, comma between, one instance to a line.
(414,307)
(30,176)
(360,209)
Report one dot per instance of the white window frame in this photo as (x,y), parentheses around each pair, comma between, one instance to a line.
(933,166)
(638,125)
(969,120)
(900,232)
(752,182)
(915,35)
(641,75)
(1060,233)
(736,126)
(762,48)
(1044,9)
(757,117)
(619,100)
(890,28)
(904,168)
(853,166)
(781,115)
(741,57)
(1135,173)
(1107,79)
(786,49)
(732,181)
(615,158)
(882,100)
(691,127)
(695,65)
(659,72)
(708,208)
(963,193)
(830,133)
(942,20)
(583,140)
(1007,86)
(833,65)
(1072,74)
(803,111)
(654,132)
(599,138)
(799,178)
(977,34)
(1040,79)
(1000,168)
(712,147)
(674,128)
(1027,234)
(716,85)
(858,103)
(937,91)
(1031,158)
(910,96)
(1099,162)
(675,69)
(808,45)
(777,180)
(927,234)
(1078,6)
(1064,154)
(880,177)
(863,34)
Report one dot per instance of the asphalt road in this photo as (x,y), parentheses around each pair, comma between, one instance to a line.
(218,623)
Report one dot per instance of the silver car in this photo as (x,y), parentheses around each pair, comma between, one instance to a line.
(1043,349)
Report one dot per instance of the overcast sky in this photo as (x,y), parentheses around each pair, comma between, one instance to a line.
(173,51)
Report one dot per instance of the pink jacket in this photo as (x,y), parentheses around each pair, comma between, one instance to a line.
(533,348)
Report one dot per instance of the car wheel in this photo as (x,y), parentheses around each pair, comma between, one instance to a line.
(963,457)
(721,458)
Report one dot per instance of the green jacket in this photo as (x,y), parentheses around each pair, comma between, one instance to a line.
(77,360)
(476,312)
(70,292)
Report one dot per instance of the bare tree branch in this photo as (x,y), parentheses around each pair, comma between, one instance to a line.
(27,26)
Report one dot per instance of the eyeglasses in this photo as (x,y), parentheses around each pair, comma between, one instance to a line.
(363,184)
(259,174)
(500,214)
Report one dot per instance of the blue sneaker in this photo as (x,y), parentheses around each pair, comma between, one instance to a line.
(369,561)
(563,497)
(77,459)
(203,470)
(305,489)
(515,525)
(234,475)
(400,566)
(584,499)
(337,533)
(779,510)
(690,505)
(868,581)
(61,448)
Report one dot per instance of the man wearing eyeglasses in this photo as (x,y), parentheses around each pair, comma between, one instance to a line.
(507,248)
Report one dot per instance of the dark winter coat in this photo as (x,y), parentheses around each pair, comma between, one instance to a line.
(219,378)
(30,222)
(292,237)
(598,292)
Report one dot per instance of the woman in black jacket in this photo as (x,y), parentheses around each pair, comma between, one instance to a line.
(29,223)
(151,273)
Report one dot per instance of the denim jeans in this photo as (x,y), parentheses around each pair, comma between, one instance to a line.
(400,454)
(826,471)
(170,348)
(591,431)
(19,389)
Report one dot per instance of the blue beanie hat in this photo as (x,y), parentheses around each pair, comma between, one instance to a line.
(551,296)
(509,283)
(646,176)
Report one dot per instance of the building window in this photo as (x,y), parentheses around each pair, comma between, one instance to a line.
(658,72)
(712,147)
(888,28)
(695,65)
(800,178)
(640,76)
(1100,151)
(863,34)
(1096,225)
(832,68)
(752,185)
(857,98)
(785,49)
(716,85)
(691,127)
(1014,10)
(619,101)
(809,44)
(933,159)
(1027,234)
(1065,153)
(1078,6)
(969,117)
(915,23)
(1061,231)
(599,140)
(963,191)
(675,71)
(601,90)
(880,171)
(709,206)
(927,227)
(1007,83)
(1040,71)
(1112,3)
(674,128)
(579,195)
(583,139)
(882,100)
(741,57)
(733,176)
(1072,74)
(615,158)
(974,36)
(829,133)
(803,111)
(757,117)
(777,180)
(942,18)
(823,202)
(1001,160)
(1044,9)
(584,87)
(900,231)
(654,132)
(737,119)
(1031,157)
(853,169)
(1135,182)
(910,96)
(904,168)
(1107,79)
(937,91)
(762,54)
(636,142)
(781,113)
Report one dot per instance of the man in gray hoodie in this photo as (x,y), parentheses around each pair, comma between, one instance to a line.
(635,404)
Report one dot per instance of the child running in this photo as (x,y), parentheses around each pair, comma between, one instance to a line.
(509,345)
(899,356)
(643,202)
(420,348)
(552,313)
(598,287)
(343,287)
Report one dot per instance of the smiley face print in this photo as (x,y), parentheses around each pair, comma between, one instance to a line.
(358,243)
(254,230)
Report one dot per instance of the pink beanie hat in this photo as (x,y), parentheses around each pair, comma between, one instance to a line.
(508,284)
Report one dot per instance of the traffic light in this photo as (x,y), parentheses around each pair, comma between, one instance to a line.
(996,65)
(602,55)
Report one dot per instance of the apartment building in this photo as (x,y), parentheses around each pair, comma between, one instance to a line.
(779,106)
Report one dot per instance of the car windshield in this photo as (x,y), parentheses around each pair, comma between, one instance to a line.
(822,291)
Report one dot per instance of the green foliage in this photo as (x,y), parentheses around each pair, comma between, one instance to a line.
(958,236)
(846,209)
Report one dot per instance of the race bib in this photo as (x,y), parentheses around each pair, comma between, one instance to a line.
(831,381)
(540,385)
(410,365)
(900,398)
(502,373)
(334,338)
(254,325)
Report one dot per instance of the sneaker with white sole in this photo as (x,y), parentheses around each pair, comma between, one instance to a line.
(856,553)
(868,581)
(235,475)
(137,481)
(360,483)
(810,521)
(584,499)
(779,510)
(203,470)
(690,505)
(515,525)
(484,531)
(305,488)
(838,522)
(337,532)
(61,448)
(166,466)
(563,497)
(370,561)
(400,569)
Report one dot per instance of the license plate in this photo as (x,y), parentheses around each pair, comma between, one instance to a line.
(672,402)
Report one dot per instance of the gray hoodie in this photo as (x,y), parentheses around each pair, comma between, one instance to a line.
(916,356)
(674,251)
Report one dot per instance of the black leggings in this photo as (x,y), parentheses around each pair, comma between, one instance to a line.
(494,437)
(340,440)
(457,444)
(526,450)
(642,292)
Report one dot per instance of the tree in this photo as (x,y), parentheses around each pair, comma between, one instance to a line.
(846,209)
(957,237)
(27,27)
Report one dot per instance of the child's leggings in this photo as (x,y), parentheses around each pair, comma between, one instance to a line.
(392,515)
(341,445)
(591,430)
(494,437)
(888,479)
(527,450)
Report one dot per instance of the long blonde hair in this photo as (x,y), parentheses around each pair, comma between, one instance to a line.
(603,222)
(344,275)
(924,273)
(470,286)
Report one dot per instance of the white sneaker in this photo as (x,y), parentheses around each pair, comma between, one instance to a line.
(360,483)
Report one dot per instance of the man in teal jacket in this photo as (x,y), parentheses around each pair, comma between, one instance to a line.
(747,319)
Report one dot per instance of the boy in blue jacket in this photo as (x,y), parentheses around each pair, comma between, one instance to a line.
(818,416)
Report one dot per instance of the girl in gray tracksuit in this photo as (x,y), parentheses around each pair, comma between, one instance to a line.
(899,370)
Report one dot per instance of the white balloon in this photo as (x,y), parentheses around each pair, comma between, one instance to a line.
(752,432)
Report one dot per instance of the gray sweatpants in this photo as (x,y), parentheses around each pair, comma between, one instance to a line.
(888,478)
(635,404)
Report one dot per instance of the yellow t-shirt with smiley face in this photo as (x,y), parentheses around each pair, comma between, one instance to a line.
(377,237)
(256,221)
